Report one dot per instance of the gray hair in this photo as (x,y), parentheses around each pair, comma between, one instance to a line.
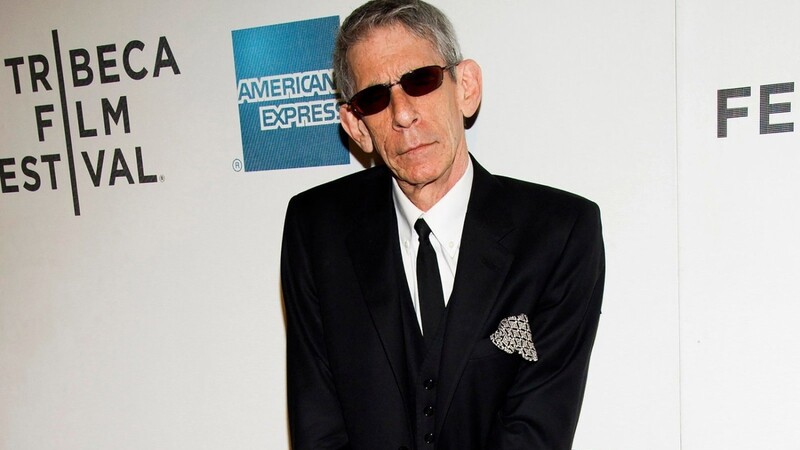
(420,18)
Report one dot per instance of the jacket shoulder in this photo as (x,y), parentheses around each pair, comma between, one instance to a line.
(544,196)
(530,203)
(345,195)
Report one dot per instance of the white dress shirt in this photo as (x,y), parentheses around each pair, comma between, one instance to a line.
(446,221)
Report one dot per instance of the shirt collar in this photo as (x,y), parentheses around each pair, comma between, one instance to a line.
(445,218)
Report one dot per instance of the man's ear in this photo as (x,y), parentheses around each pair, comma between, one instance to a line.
(355,128)
(471,84)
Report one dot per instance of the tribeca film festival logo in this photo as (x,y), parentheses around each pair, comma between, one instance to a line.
(288,110)
(767,107)
(38,73)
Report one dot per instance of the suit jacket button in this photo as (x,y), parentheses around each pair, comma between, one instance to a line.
(429,438)
(429,384)
(428,411)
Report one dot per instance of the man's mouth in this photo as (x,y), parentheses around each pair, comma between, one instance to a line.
(415,148)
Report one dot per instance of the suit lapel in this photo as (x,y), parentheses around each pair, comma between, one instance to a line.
(482,266)
(374,249)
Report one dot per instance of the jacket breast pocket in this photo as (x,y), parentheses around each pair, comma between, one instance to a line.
(485,348)
(489,371)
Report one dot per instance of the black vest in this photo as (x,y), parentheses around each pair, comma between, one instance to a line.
(423,376)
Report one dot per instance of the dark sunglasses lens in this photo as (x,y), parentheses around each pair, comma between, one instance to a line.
(422,81)
(371,100)
(416,83)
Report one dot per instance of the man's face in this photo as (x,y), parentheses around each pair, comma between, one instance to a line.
(421,139)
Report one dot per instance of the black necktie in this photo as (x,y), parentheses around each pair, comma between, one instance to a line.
(429,283)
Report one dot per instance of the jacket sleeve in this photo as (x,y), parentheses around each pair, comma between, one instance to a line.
(542,406)
(315,417)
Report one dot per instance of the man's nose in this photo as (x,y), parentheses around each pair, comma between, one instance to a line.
(403,108)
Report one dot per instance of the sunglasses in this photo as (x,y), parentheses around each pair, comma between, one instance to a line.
(416,83)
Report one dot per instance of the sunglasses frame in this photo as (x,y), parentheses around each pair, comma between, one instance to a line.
(387,88)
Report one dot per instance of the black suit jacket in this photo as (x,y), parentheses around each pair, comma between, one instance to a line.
(525,248)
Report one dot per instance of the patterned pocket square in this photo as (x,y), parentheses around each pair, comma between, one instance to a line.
(514,335)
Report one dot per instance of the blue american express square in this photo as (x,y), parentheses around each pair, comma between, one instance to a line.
(287,99)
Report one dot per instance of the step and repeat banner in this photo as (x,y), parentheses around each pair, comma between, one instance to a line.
(148,151)
(739,215)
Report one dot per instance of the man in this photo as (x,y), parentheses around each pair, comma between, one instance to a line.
(469,329)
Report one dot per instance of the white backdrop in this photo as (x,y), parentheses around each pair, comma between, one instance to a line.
(739,218)
(153,320)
